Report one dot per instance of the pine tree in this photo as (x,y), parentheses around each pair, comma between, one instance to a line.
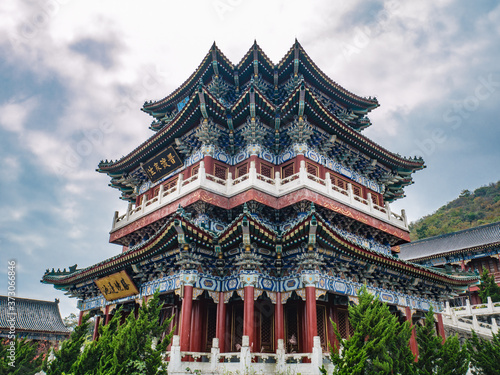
(69,352)
(429,346)
(484,354)
(488,287)
(379,344)
(453,359)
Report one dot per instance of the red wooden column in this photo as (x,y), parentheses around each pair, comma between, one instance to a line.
(220,328)
(279,323)
(249,281)
(441,327)
(95,336)
(309,281)
(80,317)
(249,314)
(106,315)
(196,330)
(311,317)
(188,281)
(413,338)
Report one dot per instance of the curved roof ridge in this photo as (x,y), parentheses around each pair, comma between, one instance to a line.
(392,258)
(131,252)
(371,101)
(150,139)
(356,134)
(184,85)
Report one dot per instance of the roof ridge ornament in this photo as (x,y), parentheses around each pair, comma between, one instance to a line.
(180,210)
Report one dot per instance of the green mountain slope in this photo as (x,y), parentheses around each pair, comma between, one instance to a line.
(470,209)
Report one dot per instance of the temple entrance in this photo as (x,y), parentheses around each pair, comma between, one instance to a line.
(264,325)
(294,324)
(236,311)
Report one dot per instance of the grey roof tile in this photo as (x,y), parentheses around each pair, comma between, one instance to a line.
(452,242)
(32,315)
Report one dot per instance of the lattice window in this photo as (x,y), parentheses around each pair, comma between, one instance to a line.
(321,322)
(211,326)
(491,266)
(266,170)
(356,190)
(312,169)
(220,171)
(342,323)
(195,170)
(170,184)
(338,182)
(156,191)
(241,170)
(375,199)
(266,329)
(287,170)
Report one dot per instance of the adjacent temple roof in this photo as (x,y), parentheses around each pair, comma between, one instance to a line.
(34,319)
(467,240)
(224,96)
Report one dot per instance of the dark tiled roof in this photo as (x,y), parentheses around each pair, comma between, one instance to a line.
(32,315)
(467,239)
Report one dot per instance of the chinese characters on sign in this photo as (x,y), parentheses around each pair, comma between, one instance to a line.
(117,285)
(162,164)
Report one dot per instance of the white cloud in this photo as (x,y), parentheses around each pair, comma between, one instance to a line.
(26,243)
(415,58)
(13,114)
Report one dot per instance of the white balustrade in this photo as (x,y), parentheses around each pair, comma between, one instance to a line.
(276,186)
(245,361)
(466,317)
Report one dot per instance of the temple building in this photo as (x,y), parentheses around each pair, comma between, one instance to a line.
(32,319)
(468,250)
(258,209)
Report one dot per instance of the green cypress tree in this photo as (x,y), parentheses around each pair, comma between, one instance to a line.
(484,354)
(27,359)
(379,344)
(434,356)
(453,359)
(69,352)
(429,346)
(488,287)
(127,349)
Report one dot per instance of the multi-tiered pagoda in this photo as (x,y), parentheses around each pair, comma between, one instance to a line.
(258,208)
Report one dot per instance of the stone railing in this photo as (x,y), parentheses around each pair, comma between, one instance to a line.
(466,317)
(274,186)
(244,361)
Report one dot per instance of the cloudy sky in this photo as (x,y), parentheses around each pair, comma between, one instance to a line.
(74,75)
